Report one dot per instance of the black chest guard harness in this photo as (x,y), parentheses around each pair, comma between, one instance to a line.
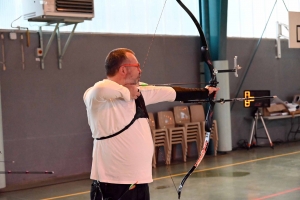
(141,112)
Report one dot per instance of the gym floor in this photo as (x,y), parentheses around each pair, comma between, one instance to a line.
(256,174)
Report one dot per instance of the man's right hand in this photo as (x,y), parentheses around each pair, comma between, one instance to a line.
(212,89)
(134,90)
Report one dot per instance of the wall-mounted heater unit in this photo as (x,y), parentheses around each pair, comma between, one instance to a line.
(58,10)
(59,13)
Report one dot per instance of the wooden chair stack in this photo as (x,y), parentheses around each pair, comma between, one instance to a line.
(176,135)
(160,139)
(193,130)
(198,115)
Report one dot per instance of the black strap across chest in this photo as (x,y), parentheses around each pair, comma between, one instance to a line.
(141,112)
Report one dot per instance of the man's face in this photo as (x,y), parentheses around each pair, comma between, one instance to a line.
(133,69)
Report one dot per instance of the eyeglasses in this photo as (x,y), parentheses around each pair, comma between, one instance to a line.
(132,65)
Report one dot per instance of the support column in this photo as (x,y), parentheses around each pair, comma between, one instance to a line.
(2,166)
(213,19)
(222,111)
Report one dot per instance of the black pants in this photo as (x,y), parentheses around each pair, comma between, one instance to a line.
(121,192)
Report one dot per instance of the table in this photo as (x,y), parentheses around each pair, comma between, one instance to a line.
(293,124)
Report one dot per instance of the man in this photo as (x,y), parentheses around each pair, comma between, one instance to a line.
(123,146)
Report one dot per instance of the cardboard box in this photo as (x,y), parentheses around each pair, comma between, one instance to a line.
(275,109)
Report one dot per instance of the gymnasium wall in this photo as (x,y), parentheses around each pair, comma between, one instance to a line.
(44,118)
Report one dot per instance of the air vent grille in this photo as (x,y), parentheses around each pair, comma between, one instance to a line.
(29,15)
(76,6)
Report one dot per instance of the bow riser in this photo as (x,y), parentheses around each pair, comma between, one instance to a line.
(209,120)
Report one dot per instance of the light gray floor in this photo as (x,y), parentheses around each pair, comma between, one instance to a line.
(256,174)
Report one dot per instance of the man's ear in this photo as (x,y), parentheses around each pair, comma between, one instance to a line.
(122,70)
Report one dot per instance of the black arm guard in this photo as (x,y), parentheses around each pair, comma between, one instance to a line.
(185,94)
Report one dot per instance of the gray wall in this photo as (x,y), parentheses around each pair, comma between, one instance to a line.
(44,118)
(281,76)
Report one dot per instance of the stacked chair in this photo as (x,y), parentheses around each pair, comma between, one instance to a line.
(160,139)
(198,115)
(193,130)
(176,135)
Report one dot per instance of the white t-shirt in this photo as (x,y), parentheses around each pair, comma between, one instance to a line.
(127,157)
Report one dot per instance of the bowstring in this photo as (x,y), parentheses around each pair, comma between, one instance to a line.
(168,169)
(154,33)
(171,178)
(169,172)
(147,55)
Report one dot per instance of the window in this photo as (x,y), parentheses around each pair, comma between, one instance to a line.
(248,18)
(119,16)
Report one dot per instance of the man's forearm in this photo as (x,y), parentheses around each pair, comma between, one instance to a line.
(184,94)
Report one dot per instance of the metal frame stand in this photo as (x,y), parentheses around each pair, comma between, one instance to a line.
(254,129)
(60,52)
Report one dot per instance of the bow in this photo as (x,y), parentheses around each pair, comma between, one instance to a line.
(212,83)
